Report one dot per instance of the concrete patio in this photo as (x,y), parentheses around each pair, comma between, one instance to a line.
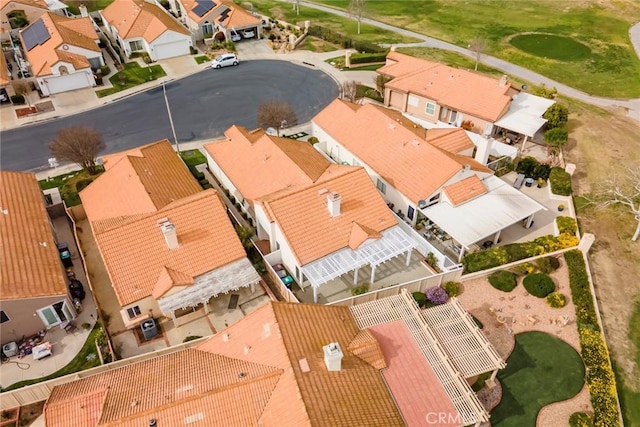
(65,346)
(392,272)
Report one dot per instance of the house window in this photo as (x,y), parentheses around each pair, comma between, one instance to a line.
(55,314)
(63,70)
(430,109)
(207,29)
(3,317)
(410,212)
(136,45)
(433,200)
(413,101)
(134,311)
(381,186)
(454,115)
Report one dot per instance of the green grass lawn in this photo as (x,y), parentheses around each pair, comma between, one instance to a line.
(132,75)
(83,360)
(611,69)
(314,44)
(551,46)
(92,6)
(193,157)
(201,59)
(542,369)
(67,183)
(630,399)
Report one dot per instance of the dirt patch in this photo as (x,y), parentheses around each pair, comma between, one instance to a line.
(607,143)
(27,111)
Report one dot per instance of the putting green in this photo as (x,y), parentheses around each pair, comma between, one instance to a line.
(550,46)
(542,369)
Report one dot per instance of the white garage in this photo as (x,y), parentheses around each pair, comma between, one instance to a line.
(57,84)
(170,50)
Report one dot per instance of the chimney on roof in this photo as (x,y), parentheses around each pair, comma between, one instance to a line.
(153,422)
(333,356)
(333,203)
(83,10)
(169,232)
(504,80)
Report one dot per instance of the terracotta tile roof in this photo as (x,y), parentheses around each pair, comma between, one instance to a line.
(4,72)
(360,234)
(77,32)
(462,90)
(180,388)
(136,255)
(259,164)
(30,264)
(80,411)
(453,140)
(138,181)
(138,18)
(290,337)
(312,232)
(366,347)
(168,279)
(236,16)
(34,3)
(410,377)
(392,148)
(465,190)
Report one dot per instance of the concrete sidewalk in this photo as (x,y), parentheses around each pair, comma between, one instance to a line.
(81,100)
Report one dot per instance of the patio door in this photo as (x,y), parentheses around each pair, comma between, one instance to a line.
(55,314)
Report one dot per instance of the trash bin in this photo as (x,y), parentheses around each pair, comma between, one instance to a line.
(149,329)
(65,255)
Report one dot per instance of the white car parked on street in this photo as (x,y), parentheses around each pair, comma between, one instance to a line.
(225,60)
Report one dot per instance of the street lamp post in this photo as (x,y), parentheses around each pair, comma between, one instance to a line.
(173,129)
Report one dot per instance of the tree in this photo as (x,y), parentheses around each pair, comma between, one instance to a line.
(23,89)
(78,144)
(381,82)
(478,46)
(245,234)
(556,115)
(544,91)
(625,191)
(350,90)
(556,137)
(276,114)
(296,6)
(356,10)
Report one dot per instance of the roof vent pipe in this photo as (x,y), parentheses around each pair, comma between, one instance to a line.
(153,422)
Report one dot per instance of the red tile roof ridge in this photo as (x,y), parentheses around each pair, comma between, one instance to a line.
(167,279)
(360,234)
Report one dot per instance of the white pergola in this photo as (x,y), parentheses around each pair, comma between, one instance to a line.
(231,277)
(394,242)
(525,115)
(447,356)
(485,216)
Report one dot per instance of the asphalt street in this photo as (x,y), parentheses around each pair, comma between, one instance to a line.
(203,106)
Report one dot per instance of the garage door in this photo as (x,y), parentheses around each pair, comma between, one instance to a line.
(169,50)
(68,82)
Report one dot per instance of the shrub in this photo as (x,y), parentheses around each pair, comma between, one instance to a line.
(556,300)
(539,285)
(524,268)
(599,376)
(580,419)
(560,182)
(548,264)
(556,115)
(365,58)
(503,280)
(313,140)
(421,298)
(193,50)
(566,224)
(105,69)
(541,171)
(451,288)
(82,184)
(359,290)
(437,295)
(17,99)
(527,166)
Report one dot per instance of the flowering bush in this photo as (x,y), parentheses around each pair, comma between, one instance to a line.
(437,295)
(580,419)
(451,288)
(556,300)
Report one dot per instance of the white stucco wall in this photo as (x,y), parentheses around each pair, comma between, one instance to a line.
(175,44)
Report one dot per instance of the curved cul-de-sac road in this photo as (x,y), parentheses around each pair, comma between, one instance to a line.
(203,106)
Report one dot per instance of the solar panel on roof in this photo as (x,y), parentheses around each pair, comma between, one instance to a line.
(35,34)
(202,7)
(224,15)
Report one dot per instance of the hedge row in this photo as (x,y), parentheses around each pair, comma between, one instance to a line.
(599,374)
(344,41)
(506,254)
(560,182)
(566,224)
(365,58)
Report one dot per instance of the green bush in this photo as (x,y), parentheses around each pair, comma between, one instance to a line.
(524,269)
(82,184)
(193,50)
(548,264)
(420,298)
(599,374)
(313,140)
(451,288)
(527,166)
(566,224)
(557,116)
(560,182)
(503,280)
(105,69)
(365,58)
(359,290)
(556,300)
(539,285)
(17,99)
(580,419)
(541,171)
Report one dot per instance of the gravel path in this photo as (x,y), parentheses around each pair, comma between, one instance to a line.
(506,314)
